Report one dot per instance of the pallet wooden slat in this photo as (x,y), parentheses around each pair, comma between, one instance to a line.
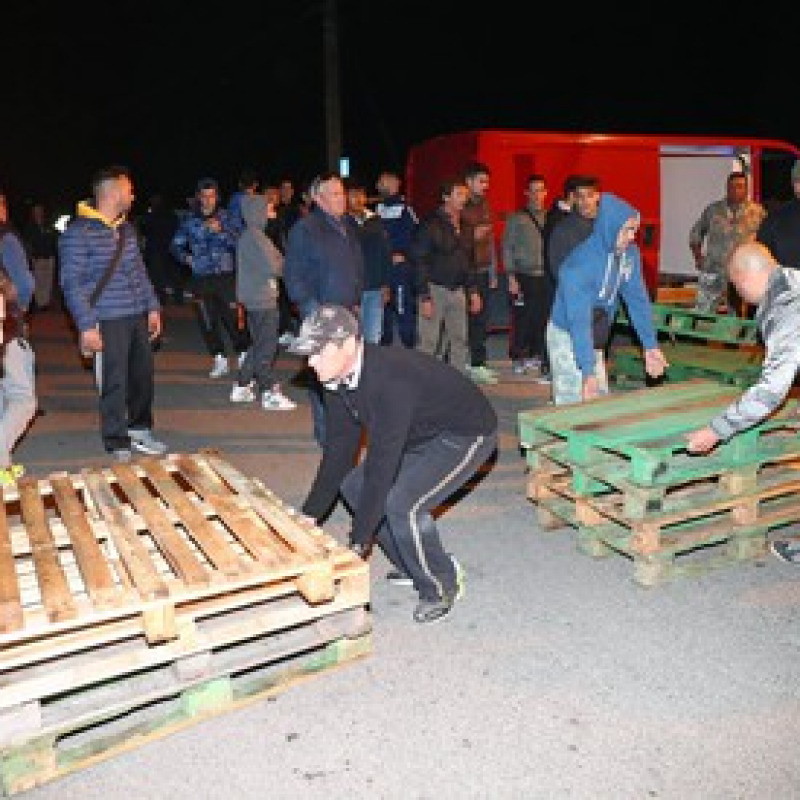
(234,510)
(209,540)
(56,595)
(175,549)
(273,511)
(132,552)
(94,568)
(10,600)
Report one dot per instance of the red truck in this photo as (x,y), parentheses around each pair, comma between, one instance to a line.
(668,178)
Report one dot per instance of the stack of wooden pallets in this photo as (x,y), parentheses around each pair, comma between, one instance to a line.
(617,471)
(141,597)
(718,347)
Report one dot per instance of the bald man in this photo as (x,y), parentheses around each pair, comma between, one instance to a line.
(760,280)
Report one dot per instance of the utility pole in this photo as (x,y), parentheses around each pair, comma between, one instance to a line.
(333,105)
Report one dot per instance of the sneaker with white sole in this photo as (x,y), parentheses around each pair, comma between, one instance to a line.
(788,551)
(144,442)
(397,578)
(219,366)
(275,400)
(243,394)
(433,610)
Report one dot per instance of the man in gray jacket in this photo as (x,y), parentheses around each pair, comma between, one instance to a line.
(760,280)
(528,286)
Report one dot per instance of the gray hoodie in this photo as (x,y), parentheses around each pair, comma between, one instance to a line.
(258,261)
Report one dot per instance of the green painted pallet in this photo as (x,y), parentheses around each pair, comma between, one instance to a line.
(687,323)
(617,469)
(638,437)
(687,361)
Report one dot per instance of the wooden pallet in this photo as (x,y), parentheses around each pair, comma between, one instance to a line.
(685,296)
(688,324)
(737,367)
(719,347)
(617,470)
(140,597)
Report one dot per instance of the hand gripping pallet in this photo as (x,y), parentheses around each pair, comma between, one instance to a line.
(139,598)
(617,470)
(717,347)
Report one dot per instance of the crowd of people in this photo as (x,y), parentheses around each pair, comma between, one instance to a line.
(392,313)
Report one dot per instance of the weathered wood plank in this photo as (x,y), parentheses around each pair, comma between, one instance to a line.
(56,596)
(11,617)
(208,539)
(132,552)
(92,564)
(282,519)
(175,549)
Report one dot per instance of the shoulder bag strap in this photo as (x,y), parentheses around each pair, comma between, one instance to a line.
(535,222)
(106,277)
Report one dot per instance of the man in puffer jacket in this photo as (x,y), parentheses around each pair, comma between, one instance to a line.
(119,327)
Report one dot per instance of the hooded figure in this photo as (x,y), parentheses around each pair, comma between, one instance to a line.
(258,265)
(258,260)
(592,278)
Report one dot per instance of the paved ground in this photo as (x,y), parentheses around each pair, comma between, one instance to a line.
(556,676)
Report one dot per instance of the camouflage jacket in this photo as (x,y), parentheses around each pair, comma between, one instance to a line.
(723,228)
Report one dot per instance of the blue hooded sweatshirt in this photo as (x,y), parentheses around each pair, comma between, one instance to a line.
(595,275)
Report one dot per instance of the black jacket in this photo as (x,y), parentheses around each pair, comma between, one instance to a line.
(780,232)
(404,397)
(441,256)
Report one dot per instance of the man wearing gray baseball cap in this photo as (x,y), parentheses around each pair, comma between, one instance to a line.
(428,429)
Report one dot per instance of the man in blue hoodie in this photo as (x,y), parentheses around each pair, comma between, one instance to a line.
(592,278)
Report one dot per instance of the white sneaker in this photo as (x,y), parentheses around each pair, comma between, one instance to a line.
(276,400)
(144,442)
(285,339)
(219,367)
(243,394)
(241,359)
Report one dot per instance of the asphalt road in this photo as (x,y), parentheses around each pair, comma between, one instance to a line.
(557,676)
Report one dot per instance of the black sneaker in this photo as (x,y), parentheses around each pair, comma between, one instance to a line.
(397,578)
(786,551)
(433,610)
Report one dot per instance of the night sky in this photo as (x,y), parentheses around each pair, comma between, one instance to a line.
(178,92)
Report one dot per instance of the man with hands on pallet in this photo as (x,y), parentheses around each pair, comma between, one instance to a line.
(428,430)
(594,276)
(775,290)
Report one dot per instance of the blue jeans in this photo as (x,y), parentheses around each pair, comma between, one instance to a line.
(372,315)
